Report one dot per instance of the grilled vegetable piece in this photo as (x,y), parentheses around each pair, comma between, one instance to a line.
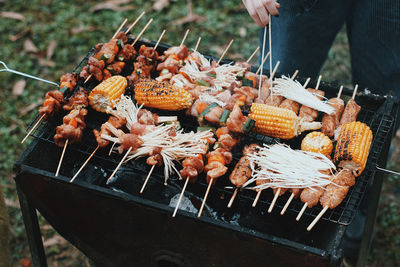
(162,95)
(103,95)
(317,142)
(278,122)
(352,147)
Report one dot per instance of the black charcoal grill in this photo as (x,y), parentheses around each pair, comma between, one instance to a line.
(114,225)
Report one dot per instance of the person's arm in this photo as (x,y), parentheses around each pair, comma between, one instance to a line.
(259,10)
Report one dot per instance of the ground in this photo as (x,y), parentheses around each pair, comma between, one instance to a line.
(48,38)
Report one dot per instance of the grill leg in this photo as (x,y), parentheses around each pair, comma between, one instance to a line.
(32,230)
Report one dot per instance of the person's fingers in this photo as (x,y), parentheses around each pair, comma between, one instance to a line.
(271,6)
(251,8)
(262,12)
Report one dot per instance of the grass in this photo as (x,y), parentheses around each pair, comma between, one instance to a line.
(75,30)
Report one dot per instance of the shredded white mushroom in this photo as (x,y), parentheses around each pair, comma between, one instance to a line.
(294,90)
(125,108)
(280,166)
(211,99)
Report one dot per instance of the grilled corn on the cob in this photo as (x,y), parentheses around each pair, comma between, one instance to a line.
(317,142)
(109,90)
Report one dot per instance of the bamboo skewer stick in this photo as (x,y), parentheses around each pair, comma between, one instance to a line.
(354,92)
(205,198)
(256,198)
(340,91)
(287,204)
(84,164)
(306,83)
(184,37)
(317,218)
(274,200)
(318,82)
(135,22)
(232,198)
(141,33)
(61,158)
(147,179)
(33,128)
(294,74)
(262,63)
(301,212)
(252,55)
(270,44)
(119,164)
(180,197)
(197,44)
(159,39)
(274,71)
(226,50)
(119,29)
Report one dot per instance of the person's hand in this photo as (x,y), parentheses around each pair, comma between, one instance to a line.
(259,10)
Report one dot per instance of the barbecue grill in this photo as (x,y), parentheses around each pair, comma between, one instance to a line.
(115,225)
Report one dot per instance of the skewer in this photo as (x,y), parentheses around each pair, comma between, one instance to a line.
(232,198)
(205,198)
(262,63)
(270,44)
(141,33)
(184,37)
(61,158)
(274,71)
(294,74)
(134,23)
(301,212)
(355,92)
(147,179)
(318,82)
(257,198)
(119,29)
(226,50)
(180,197)
(317,218)
(159,39)
(274,200)
(84,164)
(252,55)
(119,164)
(340,91)
(306,83)
(33,128)
(197,44)
(287,204)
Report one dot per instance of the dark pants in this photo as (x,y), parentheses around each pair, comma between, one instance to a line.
(305,29)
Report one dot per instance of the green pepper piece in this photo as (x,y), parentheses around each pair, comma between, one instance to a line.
(224,116)
(202,83)
(205,128)
(64,89)
(249,124)
(247,82)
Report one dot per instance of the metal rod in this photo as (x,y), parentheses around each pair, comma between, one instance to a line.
(388,171)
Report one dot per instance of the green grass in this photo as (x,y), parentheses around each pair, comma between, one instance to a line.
(47,21)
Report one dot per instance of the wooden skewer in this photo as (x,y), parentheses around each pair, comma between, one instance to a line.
(306,83)
(232,198)
(119,164)
(226,50)
(252,55)
(119,29)
(294,74)
(205,198)
(61,158)
(274,71)
(197,44)
(84,164)
(340,91)
(147,179)
(301,212)
(270,44)
(141,33)
(180,197)
(159,39)
(134,23)
(33,128)
(274,200)
(318,82)
(262,63)
(184,37)
(317,218)
(257,198)
(355,92)
(88,78)
(287,204)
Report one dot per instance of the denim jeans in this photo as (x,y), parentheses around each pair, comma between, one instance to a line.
(305,29)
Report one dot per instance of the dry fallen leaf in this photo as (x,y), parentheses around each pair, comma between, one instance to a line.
(29,46)
(17,36)
(50,49)
(45,62)
(190,17)
(83,29)
(27,109)
(242,32)
(116,5)
(160,4)
(55,240)
(12,15)
(18,88)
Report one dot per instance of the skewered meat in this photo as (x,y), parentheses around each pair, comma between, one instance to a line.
(245,65)
(215,169)
(247,91)
(291,105)
(274,100)
(171,64)
(115,68)
(350,113)
(192,167)
(129,141)
(77,101)
(145,116)
(265,91)
(225,139)
(242,171)
(127,52)
(108,51)
(52,104)
(331,121)
(226,154)
(214,114)
(282,191)
(68,80)
(72,128)
(122,36)
(311,195)
(180,51)
(307,113)
(155,157)
(337,191)
(118,123)
(236,120)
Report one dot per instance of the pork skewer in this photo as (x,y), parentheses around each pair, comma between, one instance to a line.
(226,50)
(330,122)
(351,110)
